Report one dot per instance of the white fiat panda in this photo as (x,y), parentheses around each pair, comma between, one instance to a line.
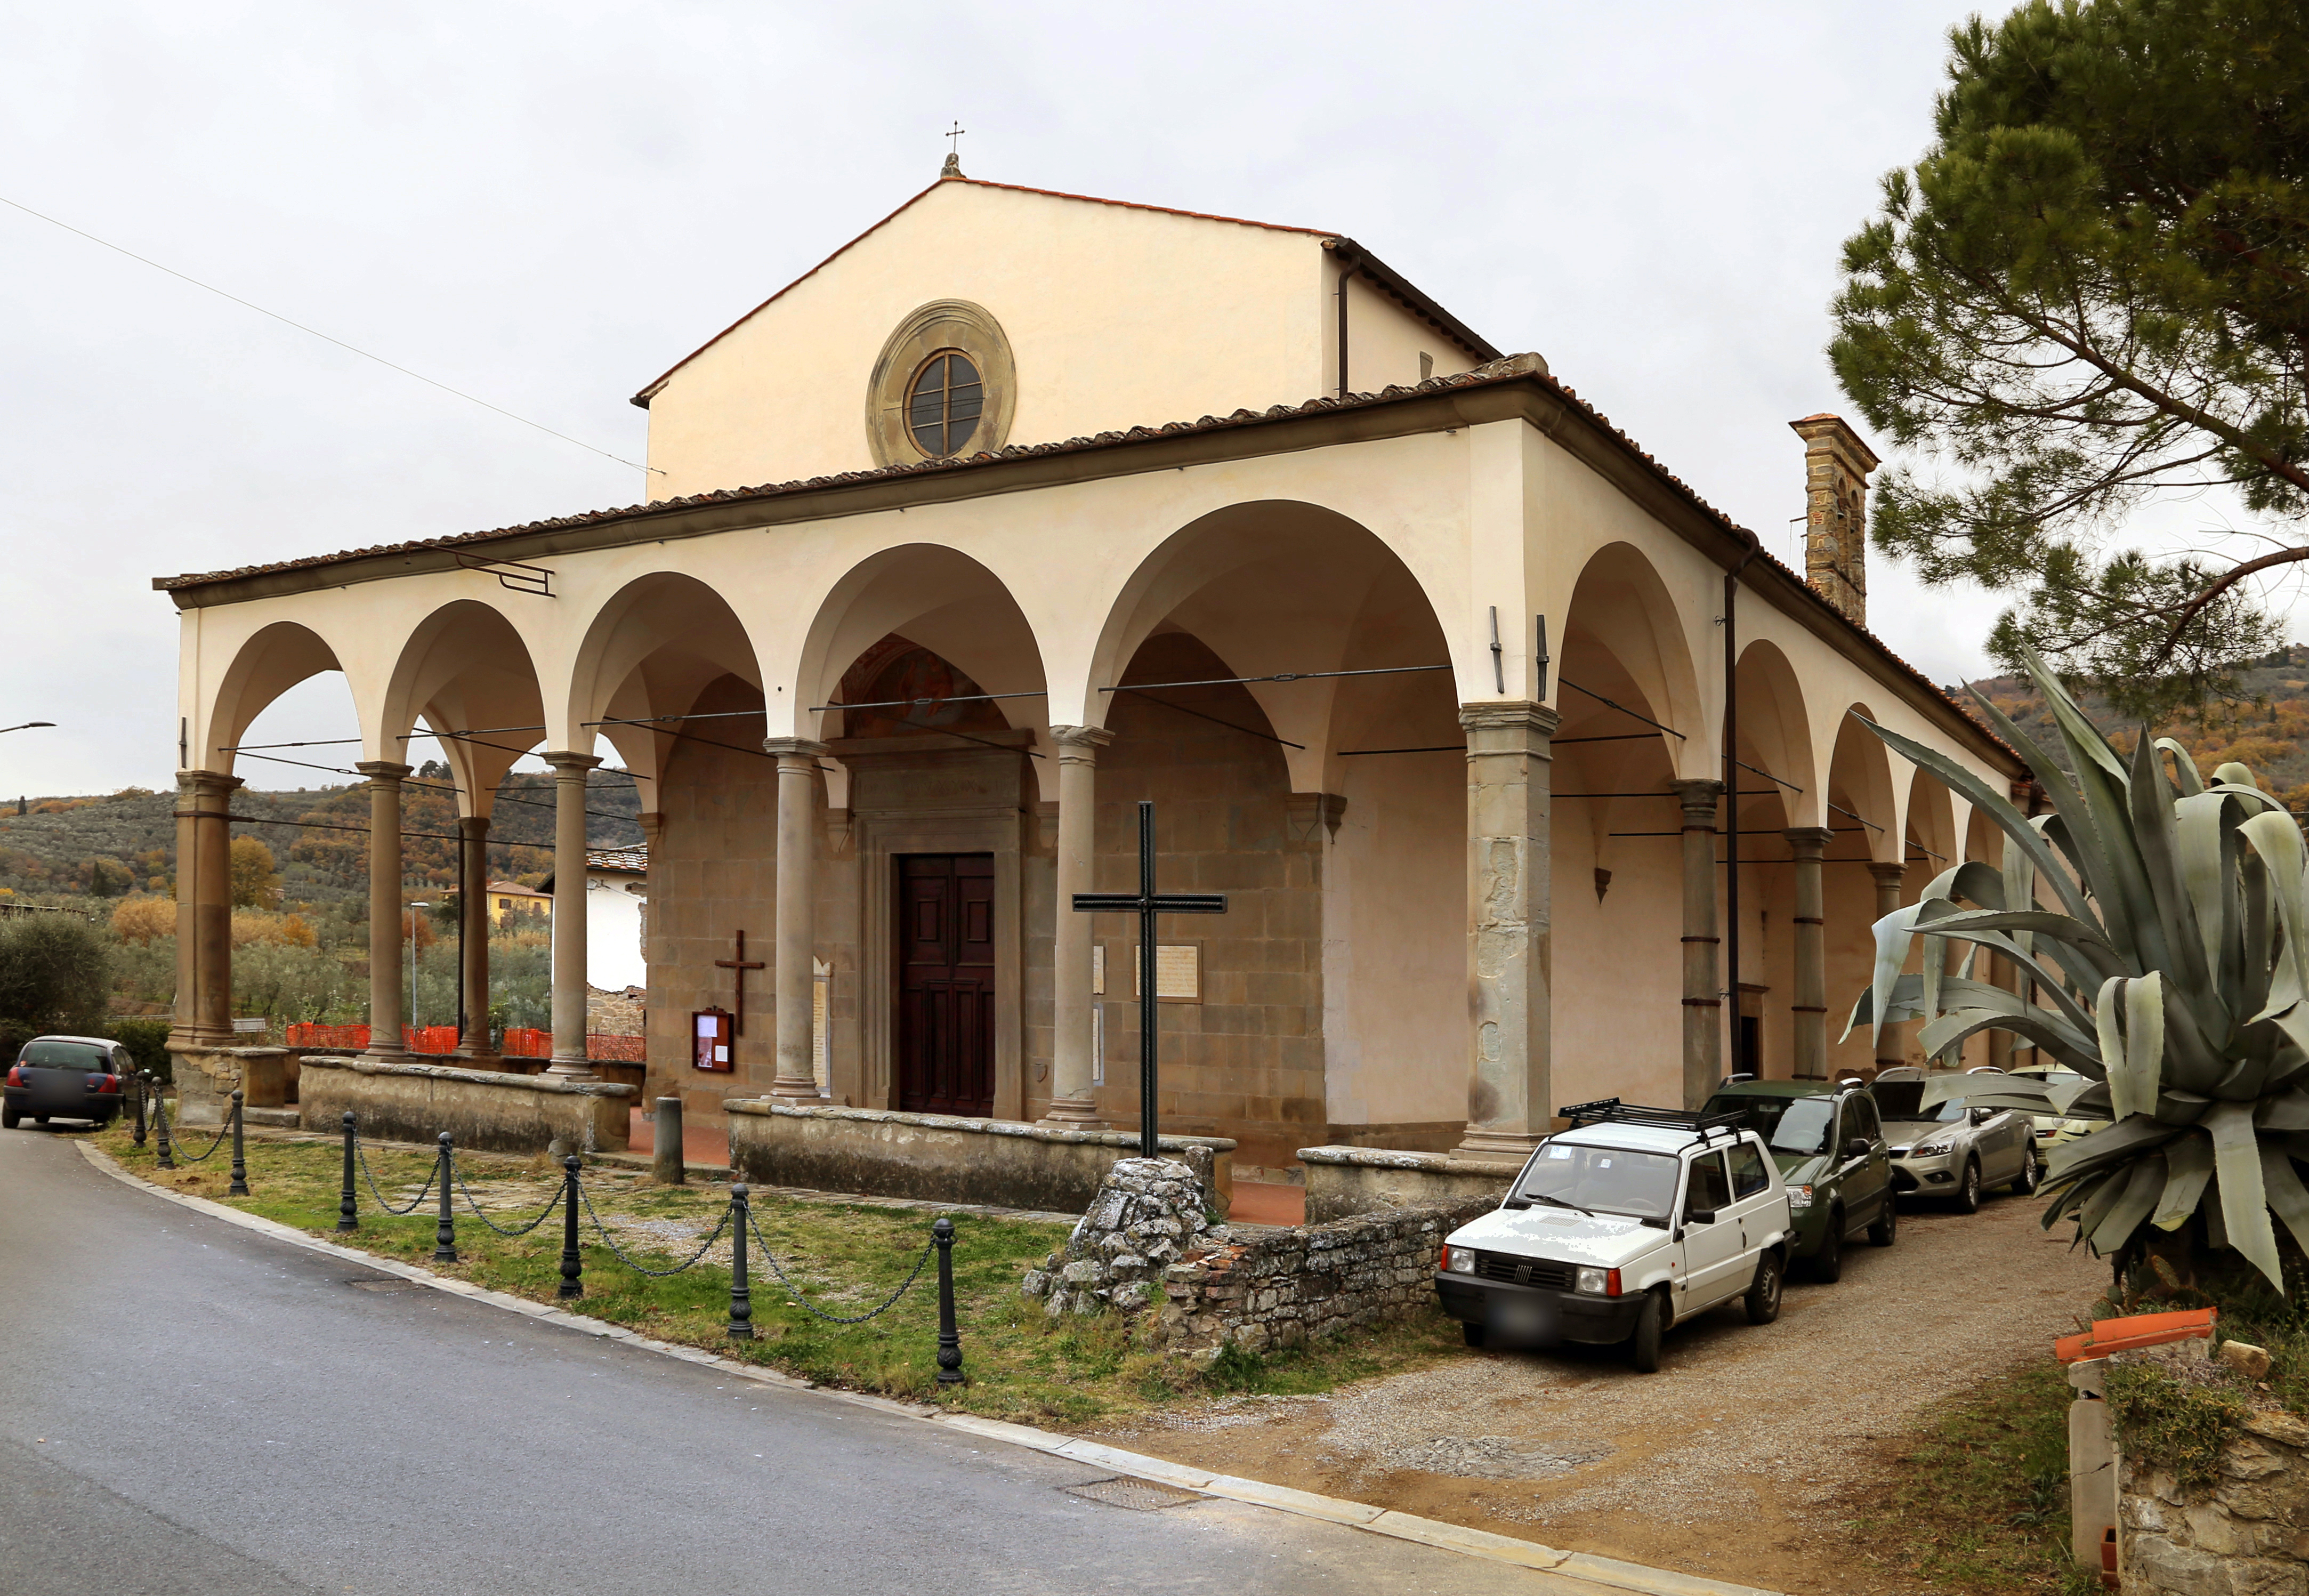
(1630,1221)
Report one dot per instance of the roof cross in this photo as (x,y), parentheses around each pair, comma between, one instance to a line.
(954,138)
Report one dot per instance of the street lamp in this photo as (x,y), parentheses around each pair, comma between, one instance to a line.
(28,725)
(413,907)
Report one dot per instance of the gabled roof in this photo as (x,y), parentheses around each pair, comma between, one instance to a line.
(1351,254)
(633,861)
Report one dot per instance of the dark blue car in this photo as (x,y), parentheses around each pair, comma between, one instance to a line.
(65,1077)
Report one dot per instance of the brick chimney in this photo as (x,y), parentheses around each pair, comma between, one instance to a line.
(1836,465)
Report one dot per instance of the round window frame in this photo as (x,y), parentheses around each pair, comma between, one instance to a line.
(942,325)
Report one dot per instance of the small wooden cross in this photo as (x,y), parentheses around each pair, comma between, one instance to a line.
(740,965)
(1147,903)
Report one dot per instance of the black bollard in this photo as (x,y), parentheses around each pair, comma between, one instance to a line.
(347,1210)
(444,1233)
(949,1354)
(239,1187)
(741,1298)
(143,1080)
(160,1130)
(573,1266)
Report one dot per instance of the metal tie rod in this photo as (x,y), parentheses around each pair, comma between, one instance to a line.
(1279,676)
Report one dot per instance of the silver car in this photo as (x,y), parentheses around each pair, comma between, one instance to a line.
(1954,1136)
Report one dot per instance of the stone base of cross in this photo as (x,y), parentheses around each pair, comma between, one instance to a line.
(1147,903)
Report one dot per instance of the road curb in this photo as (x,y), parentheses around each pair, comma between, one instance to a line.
(1575,1574)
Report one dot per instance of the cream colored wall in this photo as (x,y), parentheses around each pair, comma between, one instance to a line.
(1384,344)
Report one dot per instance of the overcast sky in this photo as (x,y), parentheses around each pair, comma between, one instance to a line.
(546,206)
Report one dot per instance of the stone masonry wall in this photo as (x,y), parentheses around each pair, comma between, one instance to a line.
(2247,1536)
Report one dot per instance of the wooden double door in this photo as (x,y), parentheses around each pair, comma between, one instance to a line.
(946,983)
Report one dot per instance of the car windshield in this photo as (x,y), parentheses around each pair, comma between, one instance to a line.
(1904,1100)
(1612,1180)
(1794,1125)
(66,1056)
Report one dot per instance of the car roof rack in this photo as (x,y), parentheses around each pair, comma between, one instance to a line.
(1612,1111)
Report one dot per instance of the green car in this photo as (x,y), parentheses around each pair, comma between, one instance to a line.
(1830,1147)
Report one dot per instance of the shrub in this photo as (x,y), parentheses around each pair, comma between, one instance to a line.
(147,1041)
(56,975)
(141,919)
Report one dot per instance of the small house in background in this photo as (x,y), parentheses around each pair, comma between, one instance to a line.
(510,901)
(617,895)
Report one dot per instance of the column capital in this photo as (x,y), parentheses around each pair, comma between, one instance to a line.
(1699,797)
(794,747)
(473,825)
(385,769)
(208,783)
(1509,714)
(1888,874)
(566,762)
(1815,839)
(1082,742)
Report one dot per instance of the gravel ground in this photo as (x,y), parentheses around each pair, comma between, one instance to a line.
(1728,1460)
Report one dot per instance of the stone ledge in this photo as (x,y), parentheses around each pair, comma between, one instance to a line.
(497,1079)
(1381,1158)
(980,1127)
(1342,1182)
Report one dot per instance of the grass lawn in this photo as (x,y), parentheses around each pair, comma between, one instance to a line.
(1021,1365)
(1976,1497)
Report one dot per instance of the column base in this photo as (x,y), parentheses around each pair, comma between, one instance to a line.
(1496,1147)
(477,1061)
(387,1055)
(795,1091)
(1073,1113)
(568,1068)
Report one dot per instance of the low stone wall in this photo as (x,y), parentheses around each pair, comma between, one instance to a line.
(1345,1180)
(944,1158)
(206,1077)
(483,1109)
(2245,1534)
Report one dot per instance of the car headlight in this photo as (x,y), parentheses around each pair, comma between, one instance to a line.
(1459,1261)
(1599,1282)
(1799,1198)
(1933,1149)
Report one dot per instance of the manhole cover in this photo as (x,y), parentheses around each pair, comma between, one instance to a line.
(387,1284)
(1137,1495)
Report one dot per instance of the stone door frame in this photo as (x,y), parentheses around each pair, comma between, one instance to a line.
(881,836)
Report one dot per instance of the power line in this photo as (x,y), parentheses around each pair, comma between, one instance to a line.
(325,338)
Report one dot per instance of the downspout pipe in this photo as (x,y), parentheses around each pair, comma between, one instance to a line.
(1346,275)
(1755,546)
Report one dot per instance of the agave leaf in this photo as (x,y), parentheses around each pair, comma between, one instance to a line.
(2096,1208)
(2150,802)
(2134,1071)
(2068,1198)
(2108,1029)
(2077,730)
(2111,1145)
(2283,1111)
(2235,774)
(2188,1165)
(2184,768)
(1997,807)
(2287,1194)
(2078,832)
(2205,867)
(2088,1101)
(2145,1185)
(2277,839)
(2244,1201)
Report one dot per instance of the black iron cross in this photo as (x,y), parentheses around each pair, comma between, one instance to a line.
(1147,903)
(739,967)
(954,135)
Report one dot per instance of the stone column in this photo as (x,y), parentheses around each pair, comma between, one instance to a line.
(797,1073)
(1073,1101)
(1809,1012)
(1510,1087)
(204,1017)
(1889,880)
(1703,986)
(387,978)
(473,939)
(569,914)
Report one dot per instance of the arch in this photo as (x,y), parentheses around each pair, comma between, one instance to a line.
(1620,607)
(935,596)
(1861,783)
(651,649)
(271,661)
(464,667)
(1776,735)
(1280,586)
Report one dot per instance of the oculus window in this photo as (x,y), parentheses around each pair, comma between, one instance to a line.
(944,404)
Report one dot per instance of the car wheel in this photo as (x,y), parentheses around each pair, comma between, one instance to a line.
(1474,1332)
(2025,1182)
(1644,1345)
(9,1119)
(1886,1230)
(1967,1195)
(1763,1302)
(1828,1264)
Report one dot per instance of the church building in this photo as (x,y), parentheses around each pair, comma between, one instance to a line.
(1024,508)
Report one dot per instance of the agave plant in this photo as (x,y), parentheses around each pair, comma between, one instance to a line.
(2163,924)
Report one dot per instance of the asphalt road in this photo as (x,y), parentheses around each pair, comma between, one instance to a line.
(184,1405)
